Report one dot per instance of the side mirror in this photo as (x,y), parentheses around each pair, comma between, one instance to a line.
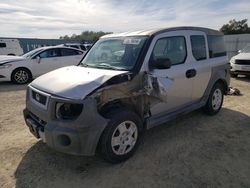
(239,51)
(38,59)
(161,63)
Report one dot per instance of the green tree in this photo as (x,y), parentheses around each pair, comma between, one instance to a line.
(235,27)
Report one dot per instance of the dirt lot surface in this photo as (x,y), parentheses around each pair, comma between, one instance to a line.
(193,151)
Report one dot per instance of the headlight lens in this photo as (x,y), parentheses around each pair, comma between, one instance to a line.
(68,111)
(5,66)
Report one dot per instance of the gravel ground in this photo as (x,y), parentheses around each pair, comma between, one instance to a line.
(193,151)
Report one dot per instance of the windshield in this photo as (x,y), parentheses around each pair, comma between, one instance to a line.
(246,49)
(32,52)
(115,53)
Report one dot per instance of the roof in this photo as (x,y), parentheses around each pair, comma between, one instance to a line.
(58,46)
(150,32)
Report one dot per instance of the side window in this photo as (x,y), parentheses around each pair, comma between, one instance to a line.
(198,47)
(69,52)
(2,45)
(216,46)
(50,53)
(172,48)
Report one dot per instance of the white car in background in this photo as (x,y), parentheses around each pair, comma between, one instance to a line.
(22,69)
(240,64)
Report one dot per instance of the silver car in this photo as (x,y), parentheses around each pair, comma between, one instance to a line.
(151,76)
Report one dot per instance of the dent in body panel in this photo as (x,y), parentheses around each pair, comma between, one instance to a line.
(141,92)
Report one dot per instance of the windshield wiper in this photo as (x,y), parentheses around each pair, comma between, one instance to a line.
(104,65)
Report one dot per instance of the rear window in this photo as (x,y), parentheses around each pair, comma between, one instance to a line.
(2,45)
(198,47)
(69,52)
(216,46)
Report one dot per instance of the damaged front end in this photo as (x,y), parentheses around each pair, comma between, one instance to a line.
(139,92)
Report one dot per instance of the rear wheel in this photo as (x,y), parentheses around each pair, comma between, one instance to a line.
(121,136)
(21,76)
(215,100)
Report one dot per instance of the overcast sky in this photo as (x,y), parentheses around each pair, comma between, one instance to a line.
(54,18)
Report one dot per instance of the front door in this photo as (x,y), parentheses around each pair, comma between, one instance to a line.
(179,78)
(49,60)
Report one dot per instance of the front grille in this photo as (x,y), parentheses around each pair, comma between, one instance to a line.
(242,62)
(38,97)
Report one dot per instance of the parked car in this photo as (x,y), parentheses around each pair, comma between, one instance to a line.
(240,64)
(103,105)
(10,47)
(21,69)
(84,47)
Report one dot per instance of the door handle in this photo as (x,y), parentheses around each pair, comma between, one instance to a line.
(191,73)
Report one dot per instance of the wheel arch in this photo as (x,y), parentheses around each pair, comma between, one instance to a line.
(12,54)
(115,106)
(224,85)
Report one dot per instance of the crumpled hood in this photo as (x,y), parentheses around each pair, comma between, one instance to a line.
(8,58)
(73,82)
(242,56)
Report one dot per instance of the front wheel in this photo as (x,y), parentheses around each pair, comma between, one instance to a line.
(21,76)
(121,136)
(215,100)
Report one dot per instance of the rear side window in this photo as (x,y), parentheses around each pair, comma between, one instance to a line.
(2,45)
(172,48)
(69,52)
(198,47)
(216,46)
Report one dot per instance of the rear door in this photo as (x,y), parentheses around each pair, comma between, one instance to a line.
(201,63)
(177,81)
(70,57)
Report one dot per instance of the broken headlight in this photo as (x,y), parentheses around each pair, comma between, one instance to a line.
(68,111)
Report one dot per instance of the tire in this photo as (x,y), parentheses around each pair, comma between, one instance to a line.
(215,100)
(233,75)
(21,76)
(120,138)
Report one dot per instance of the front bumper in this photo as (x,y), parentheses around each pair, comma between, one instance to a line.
(5,75)
(77,137)
(239,68)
